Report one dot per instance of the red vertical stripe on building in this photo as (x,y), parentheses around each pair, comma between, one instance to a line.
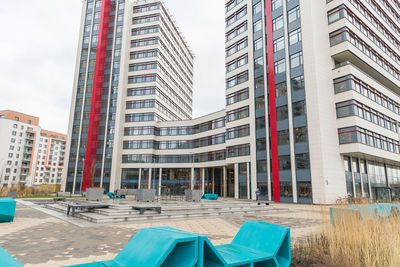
(98,78)
(272,103)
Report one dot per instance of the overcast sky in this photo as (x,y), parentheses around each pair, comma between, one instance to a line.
(38,43)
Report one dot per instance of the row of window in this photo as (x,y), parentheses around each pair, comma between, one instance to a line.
(357,134)
(296,60)
(145,30)
(302,162)
(170,131)
(238,132)
(350,82)
(236,31)
(236,47)
(345,34)
(343,12)
(145,19)
(237,114)
(151,116)
(237,96)
(375,21)
(236,16)
(143,66)
(298,108)
(175,144)
(237,79)
(300,136)
(237,63)
(231,4)
(144,42)
(297,84)
(233,151)
(145,8)
(355,108)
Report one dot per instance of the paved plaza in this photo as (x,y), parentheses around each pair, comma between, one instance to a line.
(42,238)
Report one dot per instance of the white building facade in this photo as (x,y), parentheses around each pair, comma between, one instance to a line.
(26,151)
(312,105)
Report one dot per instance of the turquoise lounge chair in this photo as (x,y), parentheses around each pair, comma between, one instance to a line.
(7,209)
(256,244)
(114,196)
(6,260)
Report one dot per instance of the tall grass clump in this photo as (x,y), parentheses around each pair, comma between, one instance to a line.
(352,241)
(22,191)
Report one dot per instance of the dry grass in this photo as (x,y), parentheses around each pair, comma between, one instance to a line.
(352,242)
(22,191)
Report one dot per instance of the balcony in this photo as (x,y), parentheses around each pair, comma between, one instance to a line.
(28,144)
(30,137)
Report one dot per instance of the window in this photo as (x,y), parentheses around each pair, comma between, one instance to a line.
(283,137)
(298,83)
(260,102)
(299,108)
(237,114)
(280,66)
(237,96)
(277,23)
(279,44)
(236,63)
(284,163)
(16,118)
(236,16)
(259,63)
(260,123)
(282,113)
(261,144)
(293,14)
(281,89)
(15,126)
(257,26)
(262,166)
(12,140)
(302,161)
(300,134)
(296,60)
(236,47)
(11,147)
(10,155)
(237,79)
(257,8)
(259,82)
(276,4)
(14,133)
(258,44)
(295,36)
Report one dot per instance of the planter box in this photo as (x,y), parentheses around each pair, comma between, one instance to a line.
(193,195)
(145,195)
(94,194)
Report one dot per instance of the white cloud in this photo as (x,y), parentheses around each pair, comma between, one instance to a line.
(38,52)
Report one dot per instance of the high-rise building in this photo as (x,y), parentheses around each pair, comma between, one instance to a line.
(28,154)
(312,106)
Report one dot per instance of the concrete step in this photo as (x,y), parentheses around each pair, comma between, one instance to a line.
(98,218)
(116,215)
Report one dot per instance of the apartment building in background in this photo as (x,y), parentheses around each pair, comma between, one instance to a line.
(312,102)
(29,155)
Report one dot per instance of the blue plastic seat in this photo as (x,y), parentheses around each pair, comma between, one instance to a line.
(156,247)
(210,196)
(7,209)
(6,260)
(256,244)
(114,196)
